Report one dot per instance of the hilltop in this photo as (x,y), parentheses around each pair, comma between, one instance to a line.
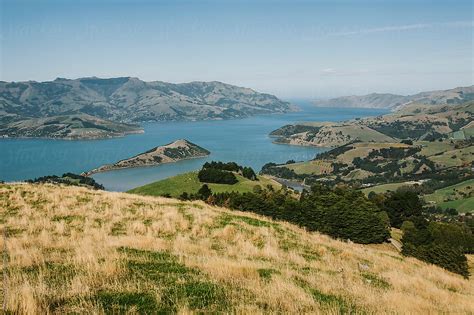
(175,151)
(189,183)
(72,249)
(393,101)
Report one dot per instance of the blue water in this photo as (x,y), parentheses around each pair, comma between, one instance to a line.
(244,141)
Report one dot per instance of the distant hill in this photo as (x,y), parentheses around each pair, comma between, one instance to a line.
(172,152)
(375,100)
(71,127)
(414,121)
(129,99)
(327,134)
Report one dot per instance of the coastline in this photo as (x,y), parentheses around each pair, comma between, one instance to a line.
(97,171)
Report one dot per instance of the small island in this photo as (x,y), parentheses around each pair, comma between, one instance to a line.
(178,150)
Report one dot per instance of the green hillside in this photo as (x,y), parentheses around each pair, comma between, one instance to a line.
(190,183)
(459,196)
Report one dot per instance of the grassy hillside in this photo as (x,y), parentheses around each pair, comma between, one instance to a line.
(74,250)
(189,182)
(386,187)
(316,167)
(459,196)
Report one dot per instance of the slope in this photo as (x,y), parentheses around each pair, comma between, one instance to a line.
(74,250)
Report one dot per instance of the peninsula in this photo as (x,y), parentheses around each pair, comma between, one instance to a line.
(178,150)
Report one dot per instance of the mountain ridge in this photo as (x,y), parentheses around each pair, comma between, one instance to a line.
(129,99)
(395,101)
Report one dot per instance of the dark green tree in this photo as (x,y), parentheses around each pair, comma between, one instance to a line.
(402,205)
(204,192)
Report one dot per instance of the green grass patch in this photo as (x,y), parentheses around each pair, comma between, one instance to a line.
(461,205)
(384,188)
(459,196)
(118,228)
(180,285)
(266,273)
(55,275)
(122,302)
(375,281)
(227,219)
(67,218)
(189,182)
(328,300)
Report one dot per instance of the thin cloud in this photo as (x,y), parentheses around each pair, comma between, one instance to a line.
(407,27)
(343,73)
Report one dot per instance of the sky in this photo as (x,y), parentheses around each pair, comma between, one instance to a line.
(293,49)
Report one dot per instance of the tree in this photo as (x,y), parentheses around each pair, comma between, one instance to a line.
(248,173)
(442,244)
(204,192)
(402,205)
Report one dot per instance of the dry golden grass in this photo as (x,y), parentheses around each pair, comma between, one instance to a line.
(76,250)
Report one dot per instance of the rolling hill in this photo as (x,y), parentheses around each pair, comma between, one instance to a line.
(379,100)
(75,250)
(189,182)
(416,122)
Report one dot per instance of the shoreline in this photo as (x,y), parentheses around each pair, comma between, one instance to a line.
(121,135)
(96,171)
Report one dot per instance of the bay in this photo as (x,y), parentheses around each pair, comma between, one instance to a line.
(244,141)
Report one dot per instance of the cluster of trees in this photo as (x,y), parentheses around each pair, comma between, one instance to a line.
(223,173)
(440,243)
(393,153)
(68,179)
(405,129)
(347,214)
(341,212)
(214,175)
(334,153)
(280,171)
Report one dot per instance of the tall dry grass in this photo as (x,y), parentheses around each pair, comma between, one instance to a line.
(71,250)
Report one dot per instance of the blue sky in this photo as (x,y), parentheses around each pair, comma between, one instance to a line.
(293,49)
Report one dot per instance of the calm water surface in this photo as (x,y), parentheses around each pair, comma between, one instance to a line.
(244,141)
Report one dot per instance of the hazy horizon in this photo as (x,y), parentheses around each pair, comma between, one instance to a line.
(294,50)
